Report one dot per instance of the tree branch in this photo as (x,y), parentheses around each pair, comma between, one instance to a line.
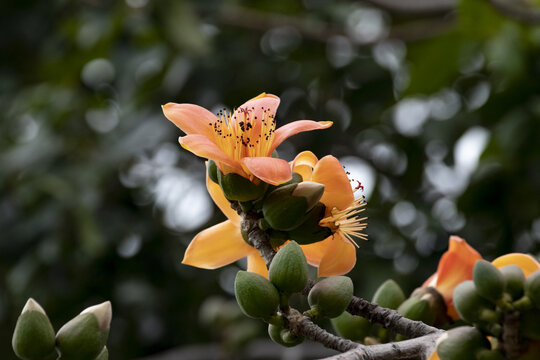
(510,336)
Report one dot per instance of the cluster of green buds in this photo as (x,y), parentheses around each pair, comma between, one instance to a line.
(290,211)
(497,302)
(82,338)
(267,299)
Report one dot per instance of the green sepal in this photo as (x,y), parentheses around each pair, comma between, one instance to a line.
(309,231)
(462,343)
(532,288)
(213,170)
(470,306)
(236,187)
(256,296)
(283,336)
(81,338)
(289,270)
(418,308)
(282,210)
(389,295)
(485,354)
(351,327)
(103,355)
(33,337)
(514,280)
(277,238)
(331,296)
(488,280)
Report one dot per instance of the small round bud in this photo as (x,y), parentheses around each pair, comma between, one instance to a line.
(488,280)
(33,337)
(236,187)
(532,288)
(351,327)
(418,308)
(461,343)
(470,305)
(331,296)
(289,270)
(284,211)
(514,280)
(257,297)
(389,295)
(283,336)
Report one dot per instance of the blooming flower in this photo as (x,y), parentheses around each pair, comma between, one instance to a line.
(336,254)
(456,266)
(241,142)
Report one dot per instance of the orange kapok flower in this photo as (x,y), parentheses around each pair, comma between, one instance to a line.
(455,266)
(241,142)
(527,263)
(335,255)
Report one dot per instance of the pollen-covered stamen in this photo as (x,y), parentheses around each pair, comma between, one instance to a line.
(248,132)
(347,222)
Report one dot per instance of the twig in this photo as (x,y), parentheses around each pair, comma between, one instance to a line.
(510,337)
(522,14)
(416,7)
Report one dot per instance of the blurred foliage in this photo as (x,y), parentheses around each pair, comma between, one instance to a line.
(437,115)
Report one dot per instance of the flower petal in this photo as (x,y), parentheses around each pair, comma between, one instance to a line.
(257,264)
(259,108)
(315,252)
(338,191)
(222,203)
(270,170)
(216,246)
(303,164)
(296,127)
(339,258)
(202,146)
(527,263)
(191,119)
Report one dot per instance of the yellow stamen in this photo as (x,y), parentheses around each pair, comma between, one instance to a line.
(346,222)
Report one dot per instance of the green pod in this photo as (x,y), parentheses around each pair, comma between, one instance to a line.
(309,231)
(514,280)
(351,327)
(282,336)
(84,336)
(532,288)
(289,270)
(33,337)
(103,355)
(257,297)
(529,324)
(485,354)
(282,210)
(462,343)
(470,305)
(238,188)
(389,295)
(418,308)
(488,280)
(213,170)
(331,296)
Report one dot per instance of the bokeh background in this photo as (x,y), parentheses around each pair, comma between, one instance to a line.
(436,110)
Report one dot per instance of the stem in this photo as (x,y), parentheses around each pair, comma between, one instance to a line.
(510,336)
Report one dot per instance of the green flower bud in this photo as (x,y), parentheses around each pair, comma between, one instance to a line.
(418,308)
(528,324)
(33,337)
(532,288)
(103,355)
(289,270)
(351,327)
(471,306)
(257,297)
(488,280)
(213,170)
(84,336)
(283,336)
(331,296)
(461,343)
(309,231)
(236,187)
(389,295)
(514,280)
(277,238)
(436,303)
(285,208)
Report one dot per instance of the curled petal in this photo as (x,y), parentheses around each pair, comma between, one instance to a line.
(270,170)
(216,246)
(202,146)
(296,127)
(339,257)
(338,191)
(303,164)
(527,263)
(256,264)
(222,203)
(191,119)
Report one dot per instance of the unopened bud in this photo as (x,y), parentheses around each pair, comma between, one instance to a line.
(418,308)
(282,210)
(289,270)
(514,280)
(461,343)
(488,280)
(471,306)
(33,338)
(256,296)
(236,187)
(389,295)
(84,336)
(532,288)
(283,336)
(311,191)
(330,296)
(351,327)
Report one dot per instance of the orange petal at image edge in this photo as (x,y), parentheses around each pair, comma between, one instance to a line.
(337,188)
(527,263)
(191,119)
(296,127)
(222,203)
(270,170)
(216,246)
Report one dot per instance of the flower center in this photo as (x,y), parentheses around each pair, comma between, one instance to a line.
(248,132)
(347,222)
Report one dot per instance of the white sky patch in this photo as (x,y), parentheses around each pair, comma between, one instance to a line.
(360,170)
